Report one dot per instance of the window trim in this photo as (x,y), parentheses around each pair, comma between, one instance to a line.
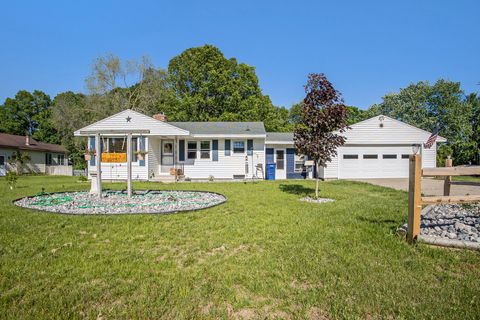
(188,149)
(205,150)
(61,157)
(244,147)
(298,159)
(284,160)
(135,146)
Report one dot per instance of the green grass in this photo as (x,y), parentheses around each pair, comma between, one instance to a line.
(466,178)
(262,254)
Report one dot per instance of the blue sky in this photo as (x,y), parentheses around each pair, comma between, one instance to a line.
(366,48)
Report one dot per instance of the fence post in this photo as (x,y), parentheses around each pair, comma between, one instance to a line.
(448,179)
(414,197)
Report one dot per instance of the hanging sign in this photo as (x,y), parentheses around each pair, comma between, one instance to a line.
(114,157)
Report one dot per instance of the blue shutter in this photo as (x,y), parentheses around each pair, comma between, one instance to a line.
(291,174)
(142,148)
(215,150)
(250,147)
(269,155)
(92,147)
(181,150)
(227,147)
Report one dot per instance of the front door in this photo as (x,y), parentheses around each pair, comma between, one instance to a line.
(280,162)
(2,165)
(167,156)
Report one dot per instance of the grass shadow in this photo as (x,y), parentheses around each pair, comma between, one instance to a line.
(390,223)
(296,189)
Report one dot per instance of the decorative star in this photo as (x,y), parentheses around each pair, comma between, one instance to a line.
(128,119)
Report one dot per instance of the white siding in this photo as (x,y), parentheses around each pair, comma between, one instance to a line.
(153,156)
(137,121)
(389,133)
(392,132)
(331,170)
(35,165)
(226,166)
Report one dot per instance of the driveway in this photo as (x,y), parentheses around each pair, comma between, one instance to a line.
(430,186)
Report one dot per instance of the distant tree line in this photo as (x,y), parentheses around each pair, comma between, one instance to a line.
(201,84)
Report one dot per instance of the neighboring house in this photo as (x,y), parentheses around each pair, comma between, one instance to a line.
(375,148)
(44,157)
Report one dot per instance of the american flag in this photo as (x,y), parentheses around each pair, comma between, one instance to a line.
(431,140)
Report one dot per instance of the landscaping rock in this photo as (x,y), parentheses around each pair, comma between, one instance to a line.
(117,202)
(319,200)
(450,222)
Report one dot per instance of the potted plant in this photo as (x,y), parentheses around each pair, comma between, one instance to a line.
(88,154)
(141,154)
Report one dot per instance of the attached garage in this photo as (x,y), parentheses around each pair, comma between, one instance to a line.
(379,147)
(373,162)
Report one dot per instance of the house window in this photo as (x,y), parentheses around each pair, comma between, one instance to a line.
(280,159)
(405,156)
(239,146)
(389,156)
(119,145)
(60,159)
(204,149)
(48,159)
(192,150)
(299,163)
(370,156)
(350,156)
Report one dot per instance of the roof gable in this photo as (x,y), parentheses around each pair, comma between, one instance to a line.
(132,120)
(384,129)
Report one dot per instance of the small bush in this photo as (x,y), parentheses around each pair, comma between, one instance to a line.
(82,178)
(11,178)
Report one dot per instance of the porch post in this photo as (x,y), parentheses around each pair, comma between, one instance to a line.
(98,163)
(129,164)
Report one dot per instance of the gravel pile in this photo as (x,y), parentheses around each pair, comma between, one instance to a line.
(319,200)
(452,221)
(117,202)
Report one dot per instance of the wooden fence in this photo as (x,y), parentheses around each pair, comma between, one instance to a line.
(415,198)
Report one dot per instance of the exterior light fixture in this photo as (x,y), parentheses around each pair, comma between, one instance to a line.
(415,148)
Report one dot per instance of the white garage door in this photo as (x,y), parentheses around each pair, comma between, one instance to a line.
(373,162)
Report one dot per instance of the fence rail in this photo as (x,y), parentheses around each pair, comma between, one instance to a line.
(59,170)
(415,199)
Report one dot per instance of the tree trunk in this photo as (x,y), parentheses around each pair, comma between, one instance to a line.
(316,180)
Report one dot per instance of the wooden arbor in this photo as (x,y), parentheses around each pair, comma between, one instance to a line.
(415,198)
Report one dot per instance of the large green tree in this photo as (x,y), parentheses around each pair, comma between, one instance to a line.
(25,113)
(210,87)
(442,104)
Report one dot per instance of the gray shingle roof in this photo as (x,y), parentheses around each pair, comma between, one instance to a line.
(247,128)
(286,137)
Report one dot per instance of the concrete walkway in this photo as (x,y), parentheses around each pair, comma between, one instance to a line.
(430,186)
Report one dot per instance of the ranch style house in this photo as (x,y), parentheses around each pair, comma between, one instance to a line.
(378,147)
(45,158)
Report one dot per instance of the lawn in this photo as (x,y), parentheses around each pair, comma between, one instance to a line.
(262,254)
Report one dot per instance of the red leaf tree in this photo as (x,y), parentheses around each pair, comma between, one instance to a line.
(322,121)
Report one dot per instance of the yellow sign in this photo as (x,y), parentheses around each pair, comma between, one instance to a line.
(114,157)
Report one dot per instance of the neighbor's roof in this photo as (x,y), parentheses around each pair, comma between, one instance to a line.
(18,142)
(222,128)
(279,137)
